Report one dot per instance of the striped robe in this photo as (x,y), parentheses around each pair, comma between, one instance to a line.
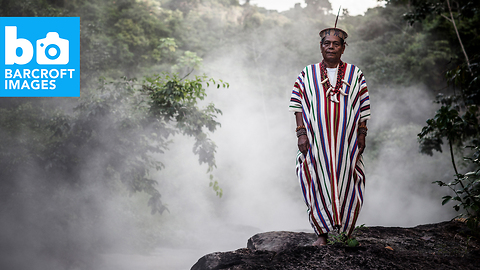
(331,175)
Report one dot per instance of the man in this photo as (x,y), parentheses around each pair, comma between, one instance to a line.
(331,105)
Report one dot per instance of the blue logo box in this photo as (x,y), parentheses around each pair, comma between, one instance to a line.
(40,57)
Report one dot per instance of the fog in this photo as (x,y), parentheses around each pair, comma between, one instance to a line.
(355,7)
(255,158)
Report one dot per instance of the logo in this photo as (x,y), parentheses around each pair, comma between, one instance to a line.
(52,50)
(40,57)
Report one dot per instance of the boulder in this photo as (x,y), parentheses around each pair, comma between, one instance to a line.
(280,241)
(446,245)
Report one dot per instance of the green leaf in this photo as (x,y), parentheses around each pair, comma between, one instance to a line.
(440,183)
(469,174)
(446,199)
(352,242)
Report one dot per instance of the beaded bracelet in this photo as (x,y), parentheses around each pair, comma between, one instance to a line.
(301,132)
(300,127)
(363,125)
(362,130)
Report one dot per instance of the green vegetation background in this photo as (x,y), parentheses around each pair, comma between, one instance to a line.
(61,160)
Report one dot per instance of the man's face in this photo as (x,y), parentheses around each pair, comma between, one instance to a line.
(332,48)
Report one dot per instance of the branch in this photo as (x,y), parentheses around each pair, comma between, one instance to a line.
(458,35)
(450,20)
(452,157)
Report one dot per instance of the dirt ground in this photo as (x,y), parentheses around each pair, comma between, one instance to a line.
(446,245)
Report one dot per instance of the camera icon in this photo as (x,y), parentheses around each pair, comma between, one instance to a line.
(52,50)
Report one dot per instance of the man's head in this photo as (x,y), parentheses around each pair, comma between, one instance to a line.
(332,44)
(332,48)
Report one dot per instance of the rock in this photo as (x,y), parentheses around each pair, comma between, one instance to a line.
(280,241)
(446,245)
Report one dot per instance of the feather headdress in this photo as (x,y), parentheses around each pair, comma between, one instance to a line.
(334,31)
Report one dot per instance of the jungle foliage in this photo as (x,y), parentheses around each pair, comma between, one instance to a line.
(457,120)
(112,138)
(71,156)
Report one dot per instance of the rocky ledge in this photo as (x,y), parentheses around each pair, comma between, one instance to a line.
(446,245)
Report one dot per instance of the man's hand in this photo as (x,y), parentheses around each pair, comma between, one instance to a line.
(303,139)
(361,143)
(303,144)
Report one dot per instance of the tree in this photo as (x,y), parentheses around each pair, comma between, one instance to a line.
(64,159)
(314,6)
(73,163)
(457,119)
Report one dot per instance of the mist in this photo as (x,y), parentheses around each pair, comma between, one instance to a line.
(256,157)
(257,147)
(255,168)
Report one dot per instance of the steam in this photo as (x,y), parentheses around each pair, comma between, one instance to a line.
(257,147)
(255,168)
(256,156)
(354,7)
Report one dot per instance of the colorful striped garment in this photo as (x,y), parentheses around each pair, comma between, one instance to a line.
(332,174)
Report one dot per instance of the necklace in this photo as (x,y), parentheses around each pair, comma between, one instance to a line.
(332,92)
